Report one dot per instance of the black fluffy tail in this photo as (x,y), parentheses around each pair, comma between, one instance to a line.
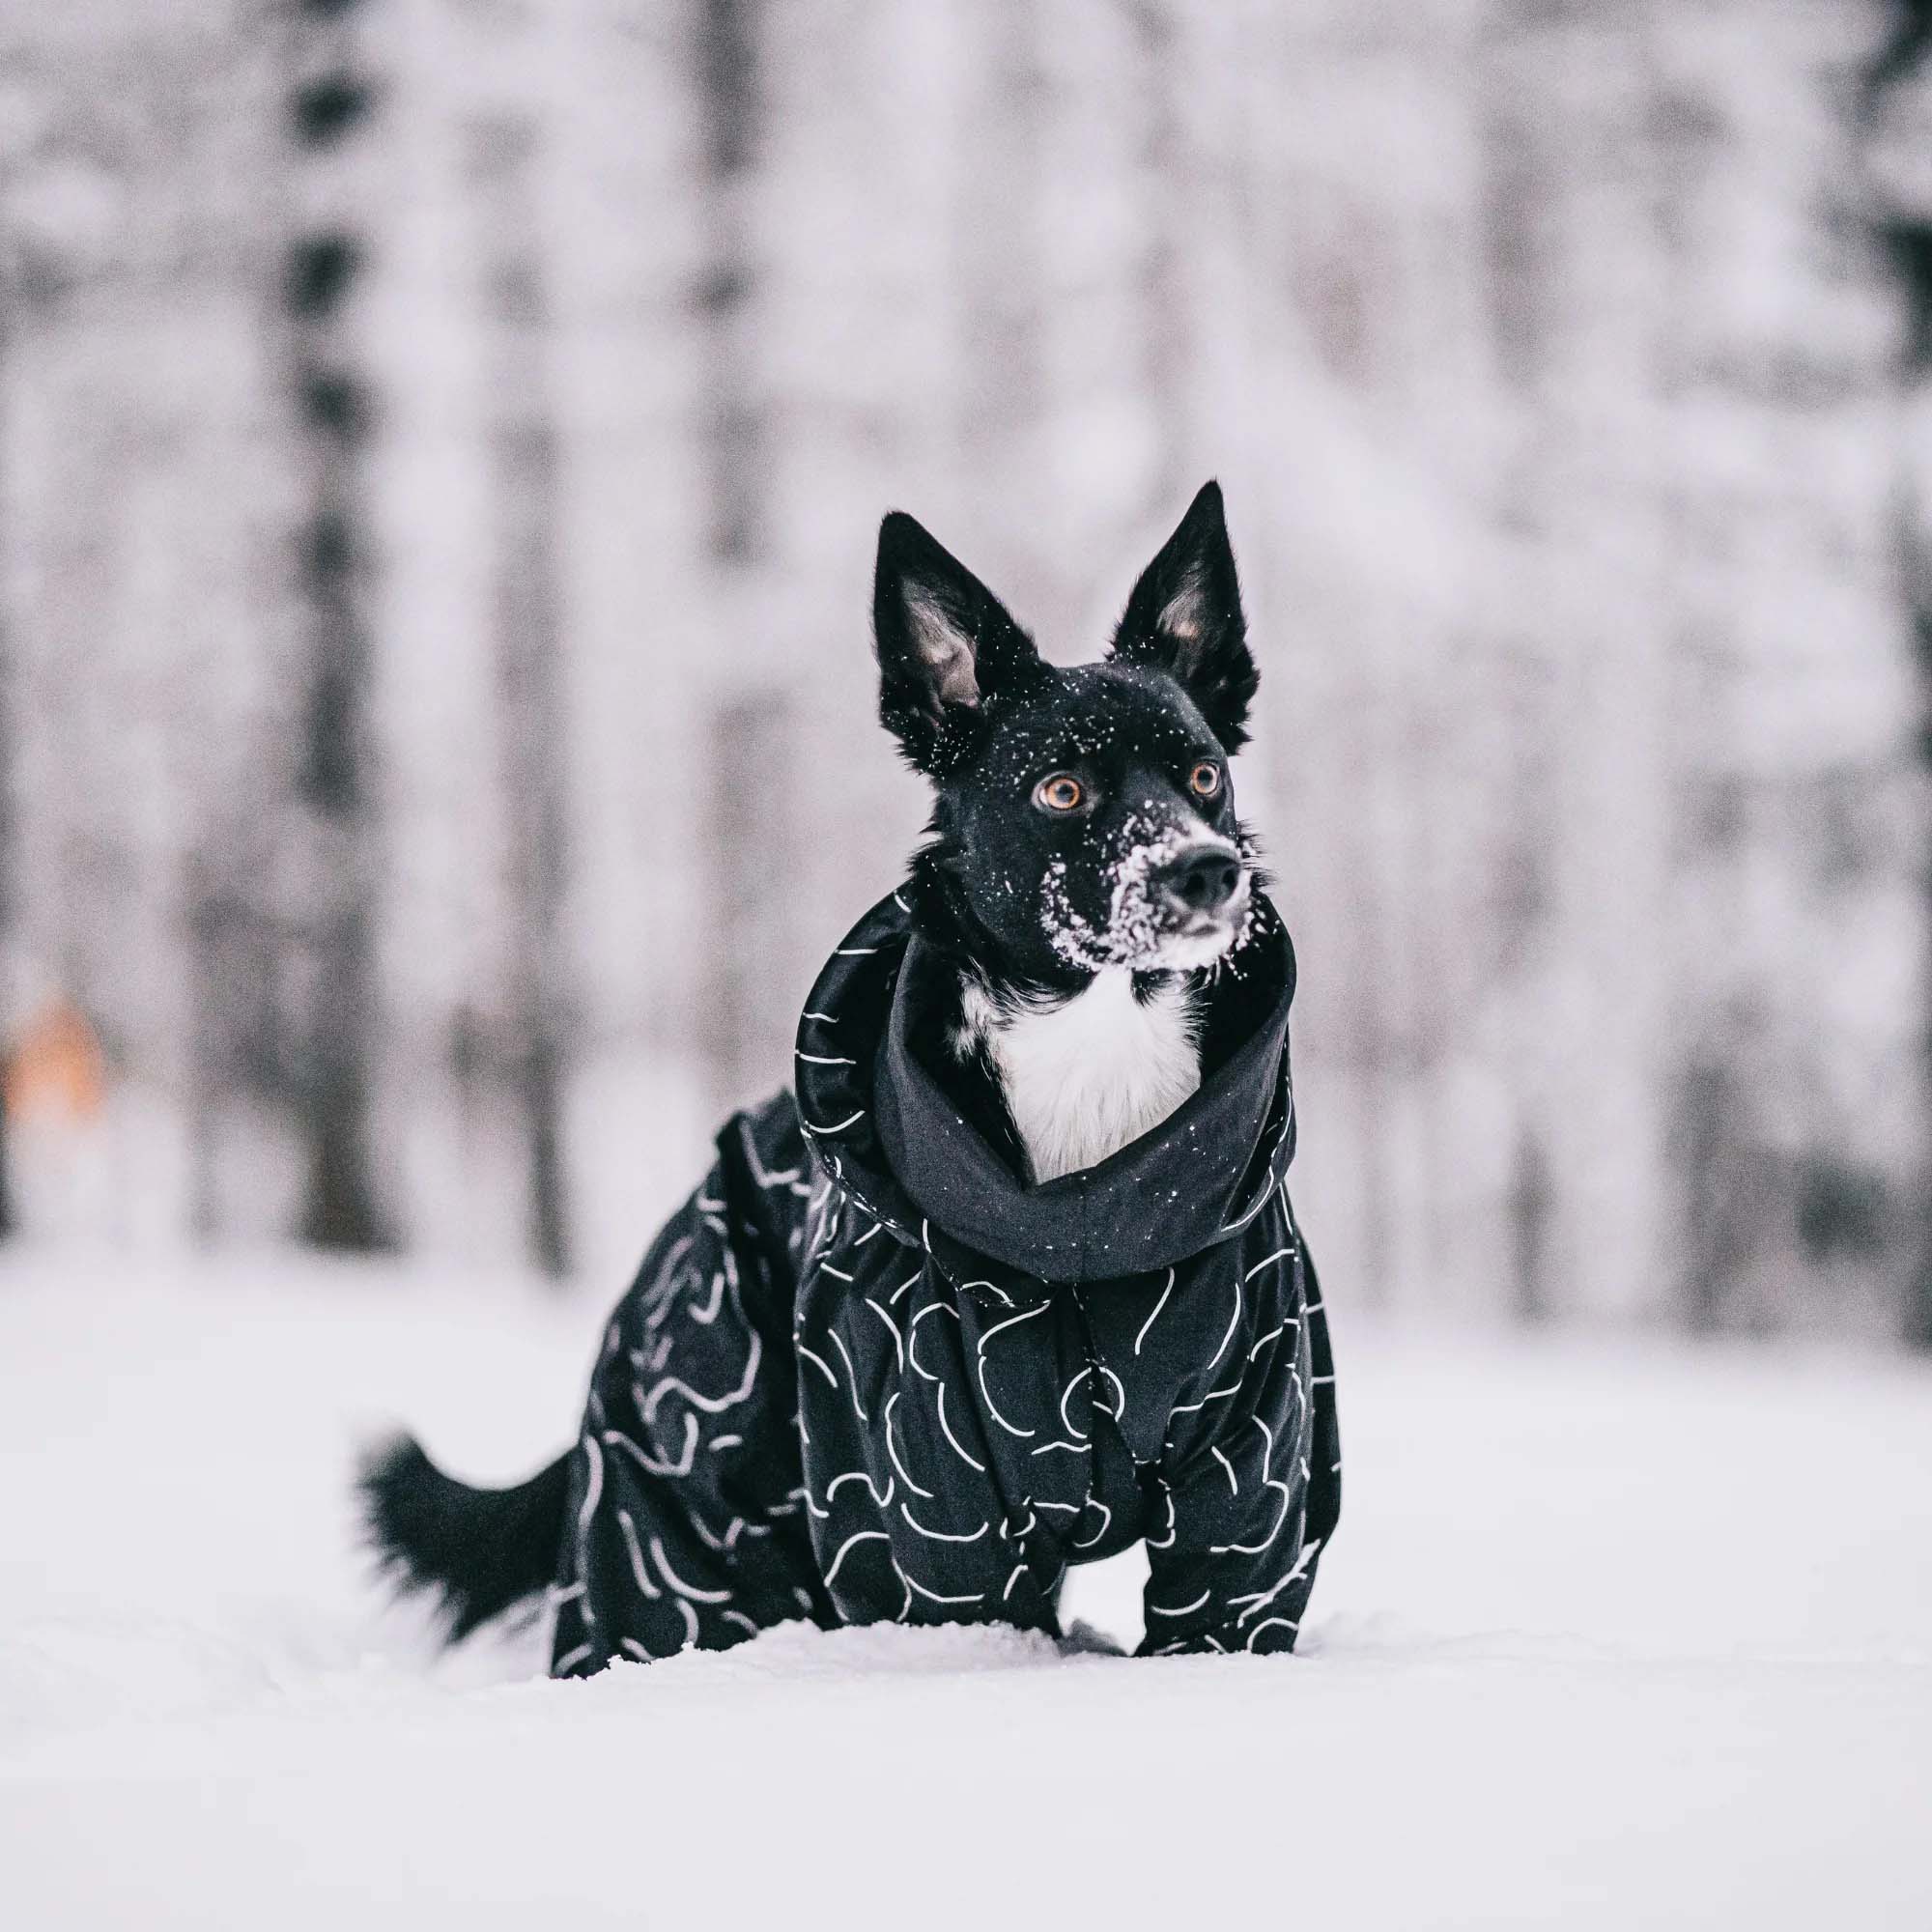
(479,1551)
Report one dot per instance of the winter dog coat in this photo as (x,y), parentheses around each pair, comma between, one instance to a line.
(867,1374)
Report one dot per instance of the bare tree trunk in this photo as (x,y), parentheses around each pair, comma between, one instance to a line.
(748,1027)
(1911,245)
(1917,1315)
(329,103)
(1001,385)
(1163,297)
(524,483)
(728,51)
(1906,231)
(745,876)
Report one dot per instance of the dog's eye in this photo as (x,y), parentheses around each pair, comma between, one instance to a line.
(1060,793)
(1205,780)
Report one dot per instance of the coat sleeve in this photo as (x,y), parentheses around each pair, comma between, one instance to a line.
(1232,1548)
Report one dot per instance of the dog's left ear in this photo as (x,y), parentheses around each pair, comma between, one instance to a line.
(946,647)
(1184,617)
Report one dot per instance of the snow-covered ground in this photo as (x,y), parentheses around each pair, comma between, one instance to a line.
(1611,1637)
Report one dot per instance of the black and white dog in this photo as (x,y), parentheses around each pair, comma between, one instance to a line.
(1012,1281)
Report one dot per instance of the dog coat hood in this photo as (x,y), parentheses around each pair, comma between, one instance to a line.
(1185,1186)
(866,1373)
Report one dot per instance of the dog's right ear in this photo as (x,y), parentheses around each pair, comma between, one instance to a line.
(945,644)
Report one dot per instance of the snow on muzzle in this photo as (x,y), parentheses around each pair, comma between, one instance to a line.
(1175,900)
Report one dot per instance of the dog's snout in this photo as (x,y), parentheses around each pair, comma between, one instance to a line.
(1202,881)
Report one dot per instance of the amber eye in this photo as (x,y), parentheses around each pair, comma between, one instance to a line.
(1205,780)
(1061,792)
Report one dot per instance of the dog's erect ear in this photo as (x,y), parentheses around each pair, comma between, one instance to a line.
(1184,617)
(946,645)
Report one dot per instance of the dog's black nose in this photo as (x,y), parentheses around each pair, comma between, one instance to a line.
(1202,881)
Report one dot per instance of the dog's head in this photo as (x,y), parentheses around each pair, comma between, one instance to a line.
(1085,817)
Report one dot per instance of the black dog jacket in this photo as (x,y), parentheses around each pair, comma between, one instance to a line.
(868,1374)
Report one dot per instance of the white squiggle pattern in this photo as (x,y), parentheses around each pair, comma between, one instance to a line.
(813,1403)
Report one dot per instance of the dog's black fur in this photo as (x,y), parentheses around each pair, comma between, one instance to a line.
(483,1550)
(1014,896)
(1175,692)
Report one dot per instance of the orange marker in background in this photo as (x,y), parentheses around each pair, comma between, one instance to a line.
(57,1072)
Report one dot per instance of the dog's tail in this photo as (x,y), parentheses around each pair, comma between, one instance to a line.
(479,1551)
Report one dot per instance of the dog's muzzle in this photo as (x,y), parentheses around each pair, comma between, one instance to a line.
(1203,895)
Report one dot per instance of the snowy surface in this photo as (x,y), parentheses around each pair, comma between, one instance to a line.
(1609,1638)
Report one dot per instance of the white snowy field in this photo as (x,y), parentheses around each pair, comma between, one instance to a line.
(1611,1637)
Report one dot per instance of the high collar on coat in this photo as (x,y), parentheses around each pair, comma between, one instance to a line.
(882,1122)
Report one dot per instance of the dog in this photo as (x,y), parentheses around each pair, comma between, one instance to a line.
(1011,1279)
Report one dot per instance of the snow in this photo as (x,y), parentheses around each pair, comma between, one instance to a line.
(1611,1634)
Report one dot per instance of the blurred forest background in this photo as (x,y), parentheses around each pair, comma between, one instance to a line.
(442,443)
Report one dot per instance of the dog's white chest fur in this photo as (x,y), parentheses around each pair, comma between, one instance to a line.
(1083,1076)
